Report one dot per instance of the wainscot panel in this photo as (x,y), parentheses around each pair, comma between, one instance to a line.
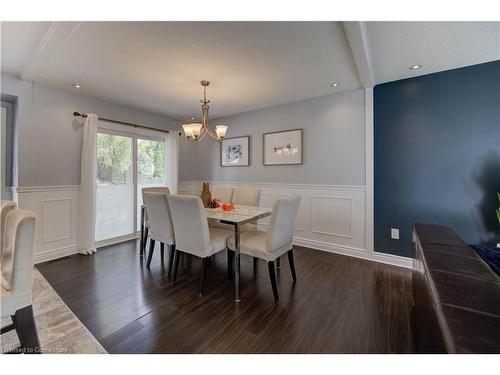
(331,217)
(56,209)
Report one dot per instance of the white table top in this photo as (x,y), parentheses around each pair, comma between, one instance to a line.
(241,214)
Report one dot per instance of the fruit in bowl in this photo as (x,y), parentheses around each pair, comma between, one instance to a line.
(228,206)
(215,203)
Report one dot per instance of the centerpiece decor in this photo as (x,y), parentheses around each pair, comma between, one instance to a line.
(206,197)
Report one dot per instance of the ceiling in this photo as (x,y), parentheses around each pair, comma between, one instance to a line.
(157,66)
(437,46)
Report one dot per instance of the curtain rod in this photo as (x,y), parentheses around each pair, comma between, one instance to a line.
(84,115)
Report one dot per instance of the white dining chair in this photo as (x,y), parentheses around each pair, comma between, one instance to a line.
(224,193)
(17,279)
(192,234)
(247,196)
(5,208)
(153,189)
(276,241)
(160,225)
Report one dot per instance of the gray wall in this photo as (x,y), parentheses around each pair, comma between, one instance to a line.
(334,143)
(50,138)
(437,155)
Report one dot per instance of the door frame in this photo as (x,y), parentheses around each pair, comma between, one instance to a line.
(6,151)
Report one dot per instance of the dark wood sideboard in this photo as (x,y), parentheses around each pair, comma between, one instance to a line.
(456,295)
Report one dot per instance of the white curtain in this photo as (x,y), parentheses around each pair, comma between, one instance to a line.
(172,160)
(88,186)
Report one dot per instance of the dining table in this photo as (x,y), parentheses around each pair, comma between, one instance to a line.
(237,217)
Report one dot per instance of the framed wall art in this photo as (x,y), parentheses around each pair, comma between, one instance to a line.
(283,147)
(235,152)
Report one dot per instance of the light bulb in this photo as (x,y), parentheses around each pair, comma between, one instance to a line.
(188,131)
(196,127)
(220,130)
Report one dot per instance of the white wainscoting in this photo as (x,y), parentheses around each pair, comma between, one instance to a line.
(57,212)
(331,217)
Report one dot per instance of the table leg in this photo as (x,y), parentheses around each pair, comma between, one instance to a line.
(237,262)
(141,245)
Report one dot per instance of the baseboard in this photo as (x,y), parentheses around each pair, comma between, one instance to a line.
(61,252)
(113,241)
(393,260)
(317,245)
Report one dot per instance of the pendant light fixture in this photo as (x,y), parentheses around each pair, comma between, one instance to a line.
(196,131)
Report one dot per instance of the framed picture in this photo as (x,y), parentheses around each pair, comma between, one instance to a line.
(283,147)
(235,152)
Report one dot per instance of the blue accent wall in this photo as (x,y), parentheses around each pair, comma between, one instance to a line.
(437,155)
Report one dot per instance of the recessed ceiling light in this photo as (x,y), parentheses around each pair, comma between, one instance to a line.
(415,67)
(76,85)
(334,84)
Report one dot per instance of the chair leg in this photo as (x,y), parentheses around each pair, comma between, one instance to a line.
(177,255)
(24,322)
(145,239)
(204,263)
(230,263)
(272,276)
(151,250)
(162,251)
(255,264)
(171,250)
(292,264)
(278,263)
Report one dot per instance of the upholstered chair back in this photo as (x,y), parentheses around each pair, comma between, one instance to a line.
(5,208)
(224,193)
(160,220)
(282,223)
(246,196)
(190,224)
(153,189)
(17,262)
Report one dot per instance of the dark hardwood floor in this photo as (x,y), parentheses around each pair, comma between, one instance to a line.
(338,304)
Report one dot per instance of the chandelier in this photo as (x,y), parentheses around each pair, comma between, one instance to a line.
(196,131)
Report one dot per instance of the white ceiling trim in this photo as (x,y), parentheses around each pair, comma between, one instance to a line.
(53,39)
(358,42)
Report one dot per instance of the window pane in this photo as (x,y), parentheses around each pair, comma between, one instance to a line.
(150,167)
(115,187)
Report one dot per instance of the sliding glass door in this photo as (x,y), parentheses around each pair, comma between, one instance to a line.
(126,162)
(115,208)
